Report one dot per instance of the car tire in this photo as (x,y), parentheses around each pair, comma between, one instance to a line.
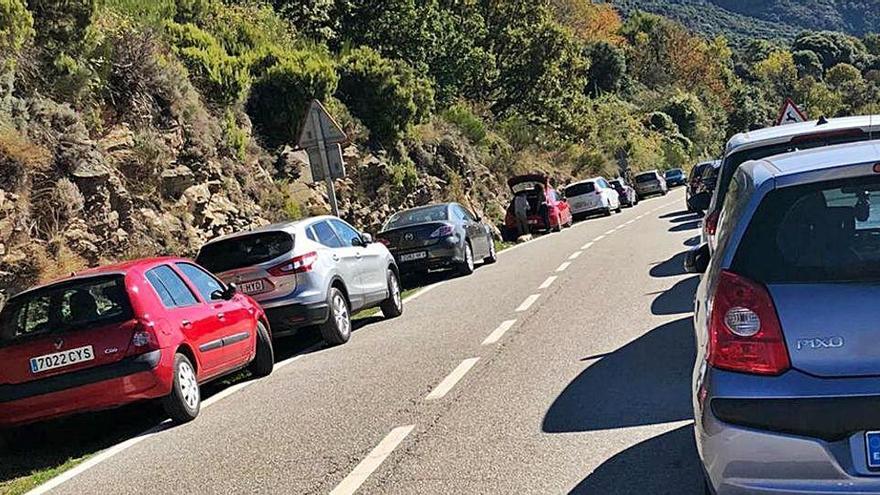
(393,306)
(619,208)
(493,256)
(185,400)
(607,211)
(264,360)
(337,329)
(466,267)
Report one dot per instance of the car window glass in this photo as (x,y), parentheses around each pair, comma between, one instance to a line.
(204,282)
(165,277)
(326,235)
(310,234)
(244,250)
(463,213)
(347,235)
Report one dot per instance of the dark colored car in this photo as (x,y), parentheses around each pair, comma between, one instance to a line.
(675,177)
(141,330)
(548,210)
(702,180)
(627,194)
(437,237)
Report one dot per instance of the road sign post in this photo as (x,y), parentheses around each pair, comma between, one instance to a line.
(321,137)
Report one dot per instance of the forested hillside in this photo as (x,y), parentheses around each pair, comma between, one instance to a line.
(132,128)
(741,20)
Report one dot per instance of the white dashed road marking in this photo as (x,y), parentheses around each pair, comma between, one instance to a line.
(374,459)
(528,303)
(575,255)
(563,267)
(499,332)
(547,283)
(599,238)
(457,374)
(587,246)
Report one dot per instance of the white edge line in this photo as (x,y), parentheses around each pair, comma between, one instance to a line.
(563,267)
(499,332)
(547,283)
(424,290)
(528,303)
(446,385)
(372,461)
(587,246)
(599,238)
(575,255)
(610,232)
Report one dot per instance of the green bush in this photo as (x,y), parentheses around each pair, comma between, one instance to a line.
(387,95)
(280,96)
(16,25)
(469,124)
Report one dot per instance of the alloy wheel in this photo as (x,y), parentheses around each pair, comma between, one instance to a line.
(340,314)
(395,291)
(189,386)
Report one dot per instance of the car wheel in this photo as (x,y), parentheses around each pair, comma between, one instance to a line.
(337,329)
(393,306)
(467,266)
(607,212)
(264,361)
(493,256)
(664,192)
(185,399)
(619,207)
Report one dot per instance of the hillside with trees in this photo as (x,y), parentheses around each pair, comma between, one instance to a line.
(133,128)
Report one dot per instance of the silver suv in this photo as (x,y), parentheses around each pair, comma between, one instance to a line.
(317,271)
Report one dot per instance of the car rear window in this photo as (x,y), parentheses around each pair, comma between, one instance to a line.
(646,177)
(246,250)
(580,189)
(436,213)
(826,232)
(674,172)
(66,306)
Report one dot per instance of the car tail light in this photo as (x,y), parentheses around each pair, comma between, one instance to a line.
(444,231)
(711,222)
(744,331)
(383,241)
(300,264)
(143,339)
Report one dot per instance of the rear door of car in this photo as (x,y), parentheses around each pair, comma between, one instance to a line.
(345,258)
(372,270)
(236,322)
(50,332)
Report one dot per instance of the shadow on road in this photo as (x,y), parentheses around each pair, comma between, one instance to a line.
(670,268)
(693,241)
(676,214)
(693,217)
(678,299)
(686,226)
(664,465)
(644,382)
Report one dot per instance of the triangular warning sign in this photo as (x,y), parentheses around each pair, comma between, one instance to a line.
(790,113)
(319,125)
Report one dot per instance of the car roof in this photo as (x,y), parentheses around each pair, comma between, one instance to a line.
(289,227)
(432,205)
(122,268)
(785,133)
(819,159)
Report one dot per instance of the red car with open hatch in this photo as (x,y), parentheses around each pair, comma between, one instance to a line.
(146,329)
(548,210)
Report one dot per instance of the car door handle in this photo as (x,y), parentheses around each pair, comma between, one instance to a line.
(186,323)
(357,255)
(221,316)
(335,257)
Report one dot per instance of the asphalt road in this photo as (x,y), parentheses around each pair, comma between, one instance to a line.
(587,392)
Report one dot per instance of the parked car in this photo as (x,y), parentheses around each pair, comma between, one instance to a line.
(651,182)
(702,186)
(146,329)
(694,181)
(548,209)
(675,177)
(625,192)
(785,393)
(592,196)
(436,237)
(317,271)
(771,141)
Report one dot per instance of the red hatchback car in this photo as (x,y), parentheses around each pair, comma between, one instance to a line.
(147,329)
(545,205)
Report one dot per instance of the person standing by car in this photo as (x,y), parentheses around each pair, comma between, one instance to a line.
(521,208)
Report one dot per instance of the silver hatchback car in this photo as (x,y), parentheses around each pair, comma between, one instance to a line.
(317,271)
(786,386)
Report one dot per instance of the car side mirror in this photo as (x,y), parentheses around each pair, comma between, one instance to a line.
(225,294)
(700,202)
(697,259)
(366,239)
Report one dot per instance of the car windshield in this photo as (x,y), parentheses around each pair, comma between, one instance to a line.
(641,178)
(826,232)
(87,302)
(616,184)
(580,188)
(246,250)
(435,213)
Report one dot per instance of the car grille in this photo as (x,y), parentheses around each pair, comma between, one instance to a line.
(828,418)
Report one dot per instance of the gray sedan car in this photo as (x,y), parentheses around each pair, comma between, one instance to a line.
(786,392)
(317,271)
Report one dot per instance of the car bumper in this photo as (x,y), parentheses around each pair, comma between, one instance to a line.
(148,376)
(446,254)
(286,320)
(792,434)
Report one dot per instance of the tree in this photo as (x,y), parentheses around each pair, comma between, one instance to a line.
(16,26)
(60,25)
(779,72)
(832,48)
(607,71)
(387,95)
(749,108)
(590,22)
(872,43)
(684,109)
(807,63)
(842,74)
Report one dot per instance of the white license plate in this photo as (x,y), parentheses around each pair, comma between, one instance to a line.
(252,287)
(413,256)
(532,221)
(62,359)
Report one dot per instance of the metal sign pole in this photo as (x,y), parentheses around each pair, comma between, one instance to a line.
(325,166)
